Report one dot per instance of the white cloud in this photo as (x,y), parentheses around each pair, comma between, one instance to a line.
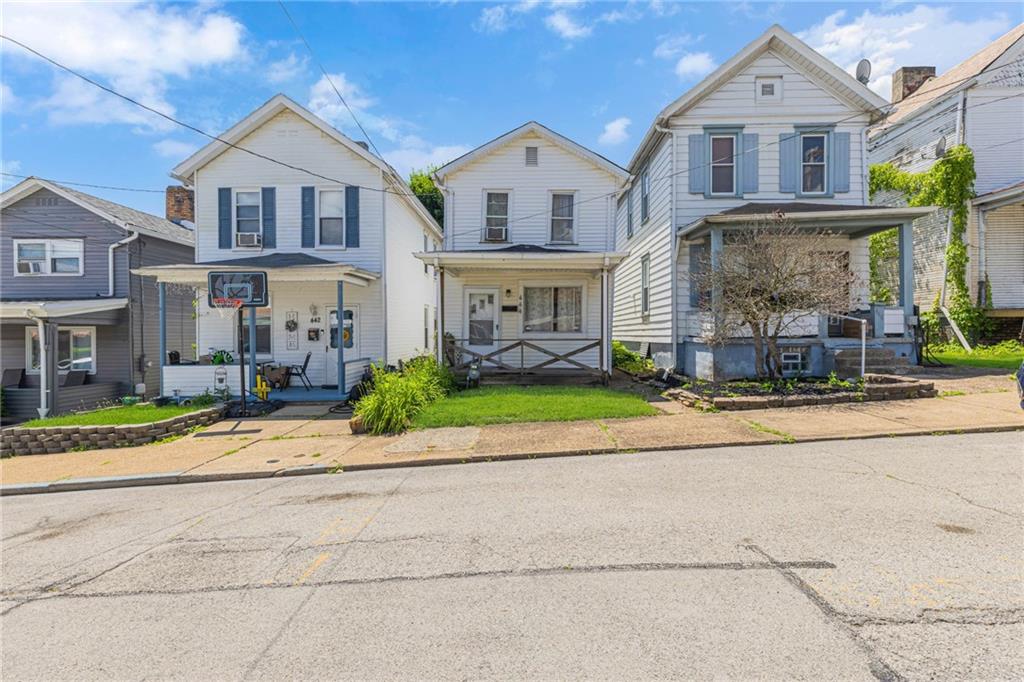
(615,132)
(135,47)
(407,159)
(9,166)
(7,98)
(695,65)
(566,26)
(288,69)
(175,149)
(671,46)
(498,18)
(922,35)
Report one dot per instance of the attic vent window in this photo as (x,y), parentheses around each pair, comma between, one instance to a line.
(531,156)
(768,89)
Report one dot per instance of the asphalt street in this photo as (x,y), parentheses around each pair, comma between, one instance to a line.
(874,559)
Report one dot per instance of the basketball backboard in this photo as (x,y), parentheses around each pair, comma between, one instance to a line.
(233,289)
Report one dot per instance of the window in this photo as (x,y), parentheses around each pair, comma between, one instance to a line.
(531,156)
(645,192)
(794,360)
(629,213)
(812,164)
(264,330)
(76,349)
(768,89)
(426,268)
(332,217)
(48,257)
(553,309)
(645,285)
(496,217)
(247,212)
(723,164)
(348,332)
(561,217)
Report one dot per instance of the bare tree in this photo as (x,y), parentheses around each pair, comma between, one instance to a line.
(770,276)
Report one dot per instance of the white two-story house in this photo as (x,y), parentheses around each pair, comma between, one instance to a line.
(980,103)
(778,127)
(333,226)
(525,270)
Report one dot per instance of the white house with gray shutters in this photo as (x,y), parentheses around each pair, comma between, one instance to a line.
(778,127)
(333,226)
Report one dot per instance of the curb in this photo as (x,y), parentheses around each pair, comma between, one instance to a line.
(101,483)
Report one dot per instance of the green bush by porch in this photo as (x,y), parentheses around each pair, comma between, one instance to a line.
(511,404)
(1006,355)
(113,416)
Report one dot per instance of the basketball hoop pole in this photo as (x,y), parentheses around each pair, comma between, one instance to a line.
(243,412)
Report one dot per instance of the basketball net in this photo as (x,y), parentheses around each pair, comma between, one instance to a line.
(226,308)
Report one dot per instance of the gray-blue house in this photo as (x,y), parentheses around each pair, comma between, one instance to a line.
(77,329)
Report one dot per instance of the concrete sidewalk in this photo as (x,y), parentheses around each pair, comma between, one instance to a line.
(308,439)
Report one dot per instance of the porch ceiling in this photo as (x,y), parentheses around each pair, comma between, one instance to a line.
(527,260)
(853,221)
(48,309)
(196,275)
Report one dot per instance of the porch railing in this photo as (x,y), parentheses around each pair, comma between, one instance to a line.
(525,356)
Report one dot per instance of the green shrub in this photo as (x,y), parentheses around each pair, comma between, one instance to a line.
(398,396)
(204,399)
(629,361)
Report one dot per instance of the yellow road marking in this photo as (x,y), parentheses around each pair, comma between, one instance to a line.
(317,562)
(328,531)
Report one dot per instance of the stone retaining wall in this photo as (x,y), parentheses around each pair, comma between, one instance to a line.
(53,439)
(876,387)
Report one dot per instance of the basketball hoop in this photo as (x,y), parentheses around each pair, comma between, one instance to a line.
(226,307)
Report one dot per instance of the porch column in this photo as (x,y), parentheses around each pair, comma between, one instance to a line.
(252,349)
(162,292)
(439,335)
(47,361)
(341,339)
(605,355)
(440,315)
(906,254)
(717,245)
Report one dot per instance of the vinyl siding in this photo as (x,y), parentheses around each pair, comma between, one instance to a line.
(290,139)
(530,202)
(409,288)
(995,128)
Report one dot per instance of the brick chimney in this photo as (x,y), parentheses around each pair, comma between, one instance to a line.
(180,204)
(907,79)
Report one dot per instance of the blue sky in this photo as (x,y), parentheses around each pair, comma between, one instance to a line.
(428,80)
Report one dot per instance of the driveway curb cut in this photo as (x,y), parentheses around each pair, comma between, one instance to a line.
(73,485)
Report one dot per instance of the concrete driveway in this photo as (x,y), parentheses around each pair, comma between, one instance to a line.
(886,559)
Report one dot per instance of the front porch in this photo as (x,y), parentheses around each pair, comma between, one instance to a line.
(312,343)
(525,314)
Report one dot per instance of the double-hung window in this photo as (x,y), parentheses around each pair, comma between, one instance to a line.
(562,218)
(332,217)
(247,212)
(496,216)
(76,349)
(553,309)
(48,257)
(264,331)
(645,285)
(813,153)
(629,213)
(723,164)
(645,194)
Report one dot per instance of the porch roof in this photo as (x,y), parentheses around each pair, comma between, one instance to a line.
(1000,197)
(524,257)
(855,221)
(280,267)
(59,308)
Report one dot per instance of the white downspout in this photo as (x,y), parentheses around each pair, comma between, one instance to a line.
(110,258)
(982,260)
(44,390)
(674,331)
(383,260)
(865,178)
(958,134)
(446,218)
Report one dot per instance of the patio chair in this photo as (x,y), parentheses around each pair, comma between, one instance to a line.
(12,378)
(300,371)
(75,377)
(173,357)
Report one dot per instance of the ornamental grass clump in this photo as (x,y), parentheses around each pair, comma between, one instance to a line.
(398,396)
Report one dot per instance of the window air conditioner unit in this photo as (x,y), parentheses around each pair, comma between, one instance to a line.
(494,234)
(248,239)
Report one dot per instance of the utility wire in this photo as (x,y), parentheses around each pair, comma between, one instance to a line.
(328,77)
(83,184)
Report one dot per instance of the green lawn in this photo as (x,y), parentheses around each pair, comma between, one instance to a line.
(510,404)
(1007,355)
(114,416)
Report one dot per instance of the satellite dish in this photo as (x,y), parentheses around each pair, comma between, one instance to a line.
(864,71)
(940,148)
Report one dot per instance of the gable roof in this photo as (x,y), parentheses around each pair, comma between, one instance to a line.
(958,78)
(786,45)
(124,217)
(542,131)
(271,108)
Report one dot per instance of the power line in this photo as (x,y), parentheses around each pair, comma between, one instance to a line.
(20,216)
(83,184)
(328,77)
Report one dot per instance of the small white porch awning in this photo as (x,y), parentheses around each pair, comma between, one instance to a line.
(48,309)
(855,221)
(523,257)
(280,267)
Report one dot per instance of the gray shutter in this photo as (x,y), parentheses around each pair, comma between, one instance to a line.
(789,159)
(841,162)
(351,217)
(224,217)
(749,162)
(308,217)
(696,264)
(269,217)
(696,171)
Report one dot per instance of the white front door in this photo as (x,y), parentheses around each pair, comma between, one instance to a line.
(349,338)
(483,319)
